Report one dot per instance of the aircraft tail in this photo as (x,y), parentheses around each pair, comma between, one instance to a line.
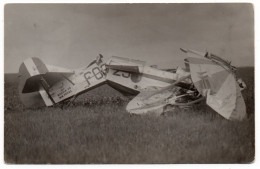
(31,87)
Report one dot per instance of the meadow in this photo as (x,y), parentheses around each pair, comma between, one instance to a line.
(96,129)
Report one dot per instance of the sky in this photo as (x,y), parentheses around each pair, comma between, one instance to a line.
(72,35)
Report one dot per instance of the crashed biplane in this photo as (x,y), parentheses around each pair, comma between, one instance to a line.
(205,77)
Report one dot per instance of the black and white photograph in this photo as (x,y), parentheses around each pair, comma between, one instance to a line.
(129,83)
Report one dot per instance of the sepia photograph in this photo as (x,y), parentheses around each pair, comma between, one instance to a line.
(129,83)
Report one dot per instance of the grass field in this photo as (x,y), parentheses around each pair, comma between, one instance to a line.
(97,129)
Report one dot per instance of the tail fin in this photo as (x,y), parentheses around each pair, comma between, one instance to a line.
(32,93)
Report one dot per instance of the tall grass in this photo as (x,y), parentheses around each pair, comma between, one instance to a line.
(97,129)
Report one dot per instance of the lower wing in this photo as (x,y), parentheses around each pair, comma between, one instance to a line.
(155,100)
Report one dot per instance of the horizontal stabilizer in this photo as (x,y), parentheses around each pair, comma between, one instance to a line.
(33,69)
(55,69)
(32,73)
(32,84)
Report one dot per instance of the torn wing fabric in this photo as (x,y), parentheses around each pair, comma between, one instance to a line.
(154,100)
(219,86)
(205,74)
(240,111)
(227,101)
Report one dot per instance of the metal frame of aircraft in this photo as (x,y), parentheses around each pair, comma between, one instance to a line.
(205,77)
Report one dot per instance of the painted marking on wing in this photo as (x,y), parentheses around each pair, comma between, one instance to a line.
(31,67)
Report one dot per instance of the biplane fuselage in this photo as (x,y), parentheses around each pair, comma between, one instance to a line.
(83,80)
(42,84)
(68,84)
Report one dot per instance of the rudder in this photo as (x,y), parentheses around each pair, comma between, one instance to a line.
(30,89)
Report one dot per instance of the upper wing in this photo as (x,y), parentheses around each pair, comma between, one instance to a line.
(228,101)
(125,64)
(217,81)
